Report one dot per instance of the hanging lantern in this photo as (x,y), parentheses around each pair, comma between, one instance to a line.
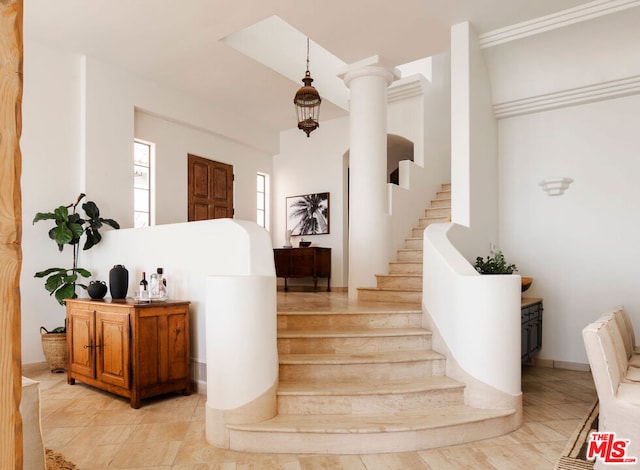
(307,102)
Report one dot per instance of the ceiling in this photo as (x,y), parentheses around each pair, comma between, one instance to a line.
(180,44)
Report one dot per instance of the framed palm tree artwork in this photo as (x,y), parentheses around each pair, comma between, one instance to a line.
(308,214)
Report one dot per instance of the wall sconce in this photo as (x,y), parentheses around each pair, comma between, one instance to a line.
(555,186)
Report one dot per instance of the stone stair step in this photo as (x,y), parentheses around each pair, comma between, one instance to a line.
(437,212)
(405,267)
(408,254)
(353,341)
(415,243)
(399,281)
(418,232)
(441,203)
(368,397)
(377,294)
(424,222)
(403,431)
(376,366)
(409,317)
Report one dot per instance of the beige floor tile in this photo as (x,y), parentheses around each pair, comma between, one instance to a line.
(91,456)
(102,435)
(460,458)
(566,427)
(517,457)
(58,437)
(159,432)
(167,415)
(394,461)
(547,412)
(322,462)
(551,451)
(206,466)
(536,432)
(62,419)
(146,454)
(199,452)
(114,418)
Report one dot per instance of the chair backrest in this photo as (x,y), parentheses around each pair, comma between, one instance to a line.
(618,344)
(627,320)
(627,335)
(605,367)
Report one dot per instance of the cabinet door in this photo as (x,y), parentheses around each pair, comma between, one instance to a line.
(81,337)
(302,262)
(178,346)
(112,348)
(282,259)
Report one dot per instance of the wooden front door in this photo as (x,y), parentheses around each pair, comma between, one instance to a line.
(210,189)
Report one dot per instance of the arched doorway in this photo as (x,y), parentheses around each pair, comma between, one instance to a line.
(398,148)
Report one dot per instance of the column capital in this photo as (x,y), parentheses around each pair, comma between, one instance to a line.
(371,66)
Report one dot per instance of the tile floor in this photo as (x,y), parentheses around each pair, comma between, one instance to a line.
(97,430)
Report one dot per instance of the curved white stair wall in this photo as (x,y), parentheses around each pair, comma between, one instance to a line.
(476,319)
(241,332)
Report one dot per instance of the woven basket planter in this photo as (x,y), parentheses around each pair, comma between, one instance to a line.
(54,346)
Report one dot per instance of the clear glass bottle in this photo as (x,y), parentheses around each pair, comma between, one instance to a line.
(157,288)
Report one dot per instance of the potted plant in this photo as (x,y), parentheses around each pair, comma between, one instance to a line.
(497,264)
(69,229)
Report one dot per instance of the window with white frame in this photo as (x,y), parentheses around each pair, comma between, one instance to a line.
(142,183)
(262,200)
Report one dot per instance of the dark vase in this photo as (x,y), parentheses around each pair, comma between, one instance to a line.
(118,282)
(97,289)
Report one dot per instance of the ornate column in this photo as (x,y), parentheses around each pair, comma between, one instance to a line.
(367,81)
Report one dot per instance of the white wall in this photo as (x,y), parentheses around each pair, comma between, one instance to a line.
(112,97)
(78,131)
(581,248)
(474,147)
(173,141)
(50,177)
(314,165)
(426,120)
(189,253)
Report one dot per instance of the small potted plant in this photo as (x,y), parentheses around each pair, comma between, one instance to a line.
(69,229)
(497,264)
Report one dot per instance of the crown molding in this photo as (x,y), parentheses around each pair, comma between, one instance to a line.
(557,20)
(404,88)
(575,96)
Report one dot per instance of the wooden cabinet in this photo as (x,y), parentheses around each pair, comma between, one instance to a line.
(531,318)
(131,349)
(313,261)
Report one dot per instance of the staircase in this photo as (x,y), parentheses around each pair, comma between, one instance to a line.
(403,283)
(361,377)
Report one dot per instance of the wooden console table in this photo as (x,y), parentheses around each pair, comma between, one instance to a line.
(313,261)
(136,350)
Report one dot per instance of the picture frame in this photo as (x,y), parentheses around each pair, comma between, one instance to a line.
(308,214)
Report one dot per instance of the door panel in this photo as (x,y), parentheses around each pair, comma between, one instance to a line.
(112,358)
(81,328)
(210,189)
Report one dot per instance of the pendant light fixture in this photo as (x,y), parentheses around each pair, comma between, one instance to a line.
(307,102)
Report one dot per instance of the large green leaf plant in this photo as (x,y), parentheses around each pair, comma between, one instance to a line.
(70,227)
